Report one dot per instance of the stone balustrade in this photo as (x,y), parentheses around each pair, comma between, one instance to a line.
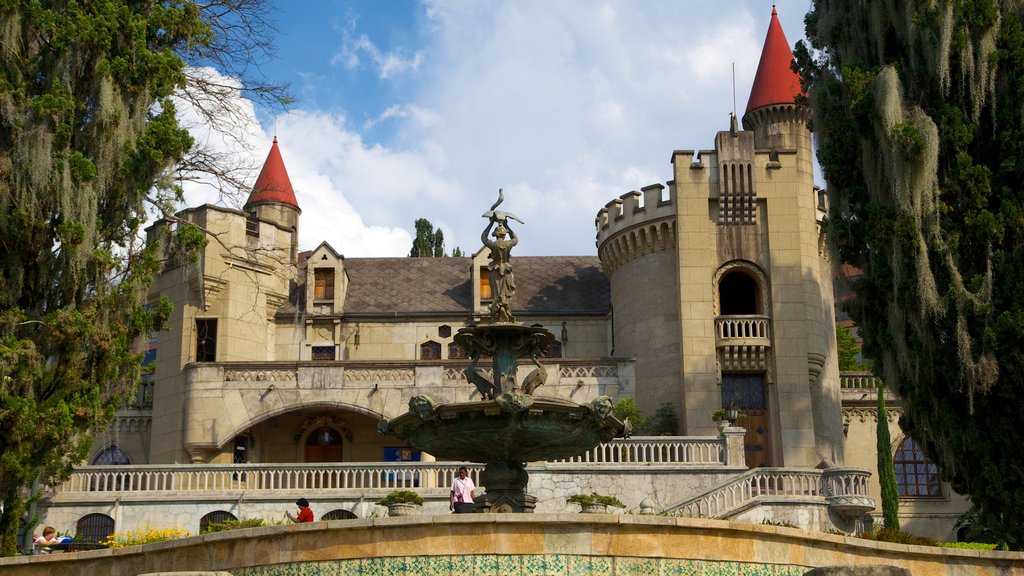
(859,381)
(254,478)
(177,478)
(691,450)
(746,328)
(834,484)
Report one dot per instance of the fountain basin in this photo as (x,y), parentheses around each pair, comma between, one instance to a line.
(513,427)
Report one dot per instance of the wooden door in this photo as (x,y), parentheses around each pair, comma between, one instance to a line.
(746,392)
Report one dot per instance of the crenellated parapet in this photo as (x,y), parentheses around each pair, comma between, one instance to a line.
(635,224)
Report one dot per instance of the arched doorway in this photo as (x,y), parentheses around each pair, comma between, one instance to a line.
(323,445)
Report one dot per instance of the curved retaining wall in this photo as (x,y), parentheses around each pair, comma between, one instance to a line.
(511,544)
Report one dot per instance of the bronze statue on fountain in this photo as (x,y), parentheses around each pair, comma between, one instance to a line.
(509,426)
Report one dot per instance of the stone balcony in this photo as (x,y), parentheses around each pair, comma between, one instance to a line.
(743,341)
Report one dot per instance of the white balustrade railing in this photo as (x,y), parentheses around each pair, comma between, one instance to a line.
(777,482)
(746,326)
(262,477)
(748,486)
(847,482)
(690,450)
(859,381)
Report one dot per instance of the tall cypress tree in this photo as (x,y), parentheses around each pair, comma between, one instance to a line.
(886,470)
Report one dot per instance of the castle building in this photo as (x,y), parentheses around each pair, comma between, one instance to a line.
(713,291)
(736,307)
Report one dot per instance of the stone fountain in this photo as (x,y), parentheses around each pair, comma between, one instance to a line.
(510,425)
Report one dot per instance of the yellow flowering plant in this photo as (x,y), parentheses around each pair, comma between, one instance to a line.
(144,535)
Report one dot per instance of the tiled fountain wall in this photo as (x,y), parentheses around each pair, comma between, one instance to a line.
(511,544)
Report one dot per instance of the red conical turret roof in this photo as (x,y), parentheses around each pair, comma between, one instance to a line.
(775,81)
(273,184)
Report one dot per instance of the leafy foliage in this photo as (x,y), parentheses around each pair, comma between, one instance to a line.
(967,545)
(849,349)
(916,108)
(88,138)
(401,497)
(428,242)
(144,535)
(895,536)
(595,498)
(626,409)
(235,524)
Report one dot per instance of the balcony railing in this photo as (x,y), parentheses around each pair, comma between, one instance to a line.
(832,485)
(677,451)
(747,329)
(205,478)
(690,450)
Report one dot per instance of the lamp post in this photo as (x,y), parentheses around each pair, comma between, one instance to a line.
(732,414)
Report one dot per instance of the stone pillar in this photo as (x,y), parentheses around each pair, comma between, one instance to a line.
(734,454)
(429,477)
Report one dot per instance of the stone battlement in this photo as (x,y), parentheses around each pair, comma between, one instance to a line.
(628,227)
(628,211)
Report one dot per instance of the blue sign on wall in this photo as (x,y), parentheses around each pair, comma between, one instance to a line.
(402,454)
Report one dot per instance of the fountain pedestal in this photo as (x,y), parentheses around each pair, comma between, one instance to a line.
(506,488)
(509,426)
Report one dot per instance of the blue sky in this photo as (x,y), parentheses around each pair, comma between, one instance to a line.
(424,108)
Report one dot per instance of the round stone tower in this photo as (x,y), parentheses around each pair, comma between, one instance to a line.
(721,290)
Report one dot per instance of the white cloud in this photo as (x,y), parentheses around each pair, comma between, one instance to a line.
(388,64)
(565,105)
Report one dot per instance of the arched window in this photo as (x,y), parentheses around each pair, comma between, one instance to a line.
(916,476)
(94,528)
(738,294)
(339,514)
(215,517)
(430,350)
(112,456)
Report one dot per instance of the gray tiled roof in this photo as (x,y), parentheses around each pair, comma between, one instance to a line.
(544,285)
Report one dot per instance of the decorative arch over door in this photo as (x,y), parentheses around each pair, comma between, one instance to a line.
(324,444)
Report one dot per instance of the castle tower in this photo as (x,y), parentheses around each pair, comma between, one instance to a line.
(750,285)
(224,304)
(272,198)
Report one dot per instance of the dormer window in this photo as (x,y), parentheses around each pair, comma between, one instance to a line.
(485,284)
(323,284)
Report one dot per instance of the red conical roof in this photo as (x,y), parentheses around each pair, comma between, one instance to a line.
(273,184)
(775,81)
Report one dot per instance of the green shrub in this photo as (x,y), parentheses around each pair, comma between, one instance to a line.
(401,497)
(233,525)
(595,498)
(968,545)
(898,537)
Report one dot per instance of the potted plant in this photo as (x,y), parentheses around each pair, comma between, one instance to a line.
(595,503)
(726,416)
(401,502)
